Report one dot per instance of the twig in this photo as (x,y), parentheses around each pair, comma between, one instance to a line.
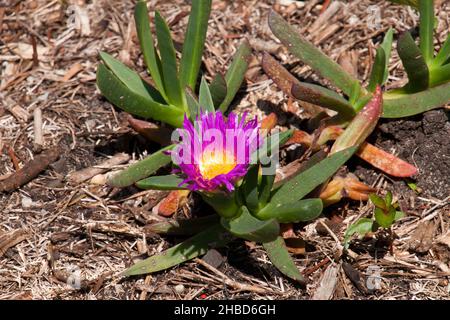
(37,123)
(87,173)
(30,170)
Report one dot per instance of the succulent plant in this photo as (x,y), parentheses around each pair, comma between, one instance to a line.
(248,203)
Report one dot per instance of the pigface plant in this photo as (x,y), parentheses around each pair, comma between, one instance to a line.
(428,88)
(229,163)
(172,92)
(429,77)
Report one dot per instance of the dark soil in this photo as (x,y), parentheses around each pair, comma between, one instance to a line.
(422,140)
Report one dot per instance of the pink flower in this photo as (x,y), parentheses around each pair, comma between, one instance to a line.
(215,152)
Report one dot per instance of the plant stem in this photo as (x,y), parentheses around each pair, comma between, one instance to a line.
(426,8)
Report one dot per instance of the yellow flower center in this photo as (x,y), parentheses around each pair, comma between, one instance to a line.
(213,164)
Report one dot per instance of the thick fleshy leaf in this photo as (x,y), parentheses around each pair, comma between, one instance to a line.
(248,227)
(362,227)
(305,182)
(323,97)
(182,227)
(311,93)
(398,106)
(130,78)
(443,55)
(130,101)
(168,62)
(218,89)
(414,63)
(426,29)
(169,182)
(249,188)
(280,257)
(310,55)
(151,57)
(141,169)
(378,70)
(362,125)
(198,245)
(385,161)
(293,212)
(378,158)
(151,131)
(265,189)
(387,47)
(441,75)
(194,43)
(192,104)
(205,100)
(169,205)
(236,73)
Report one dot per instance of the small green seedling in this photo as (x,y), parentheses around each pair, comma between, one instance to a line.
(384,216)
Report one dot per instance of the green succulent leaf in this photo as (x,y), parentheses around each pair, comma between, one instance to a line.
(310,55)
(192,104)
(387,47)
(443,55)
(141,169)
(249,188)
(440,75)
(280,257)
(302,184)
(377,201)
(414,63)
(398,106)
(183,227)
(362,227)
(362,124)
(168,62)
(426,9)
(323,97)
(377,75)
(130,79)
(236,73)
(300,211)
(194,43)
(388,199)
(205,99)
(169,182)
(151,57)
(247,227)
(198,245)
(128,100)
(311,93)
(265,188)
(218,89)
(385,218)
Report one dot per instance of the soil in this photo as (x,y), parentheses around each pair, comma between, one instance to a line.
(50,228)
(421,140)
